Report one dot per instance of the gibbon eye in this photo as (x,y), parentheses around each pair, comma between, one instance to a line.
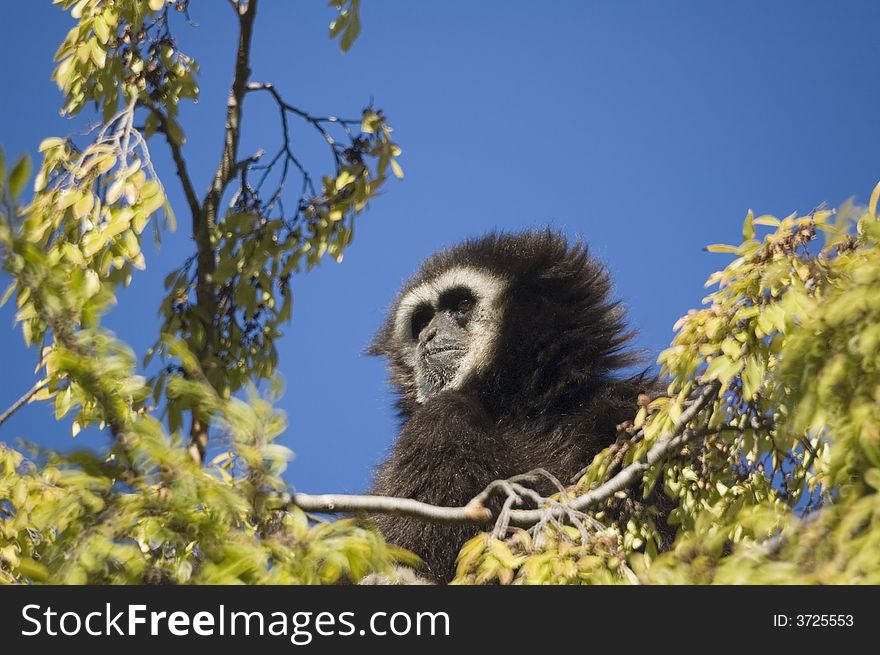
(420,319)
(458,301)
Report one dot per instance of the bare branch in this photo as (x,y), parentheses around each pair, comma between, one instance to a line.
(21,402)
(476,513)
(344,503)
(315,121)
(226,169)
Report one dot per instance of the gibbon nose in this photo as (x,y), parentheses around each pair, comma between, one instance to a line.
(429,333)
(441,328)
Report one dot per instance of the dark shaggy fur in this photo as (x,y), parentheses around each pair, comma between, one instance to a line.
(550,397)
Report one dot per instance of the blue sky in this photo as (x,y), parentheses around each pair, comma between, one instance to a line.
(647,128)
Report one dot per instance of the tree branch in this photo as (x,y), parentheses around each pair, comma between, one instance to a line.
(205,221)
(189,192)
(21,402)
(344,503)
(315,121)
(475,513)
(678,436)
(227,167)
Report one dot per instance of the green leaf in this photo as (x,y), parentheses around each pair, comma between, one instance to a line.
(345,178)
(872,477)
(720,247)
(33,570)
(872,204)
(97,54)
(722,368)
(338,25)
(175,132)
(101,29)
(748,230)
(50,143)
(731,347)
(767,220)
(752,377)
(8,293)
(19,176)
(352,31)
(83,205)
(170,219)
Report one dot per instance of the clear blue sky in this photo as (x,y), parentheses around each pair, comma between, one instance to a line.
(647,128)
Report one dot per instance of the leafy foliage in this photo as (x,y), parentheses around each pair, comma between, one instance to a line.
(145,511)
(258,248)
(121,50)
(778,481)
(83,519)
(124,53)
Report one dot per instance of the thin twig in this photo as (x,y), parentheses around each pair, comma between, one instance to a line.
(21,402)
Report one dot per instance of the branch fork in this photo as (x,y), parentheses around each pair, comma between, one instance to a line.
(566,509)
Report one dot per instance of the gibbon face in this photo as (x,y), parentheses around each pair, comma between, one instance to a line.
(445,328)
(516,318)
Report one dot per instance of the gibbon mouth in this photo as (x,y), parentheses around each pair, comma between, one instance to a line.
(433,352)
